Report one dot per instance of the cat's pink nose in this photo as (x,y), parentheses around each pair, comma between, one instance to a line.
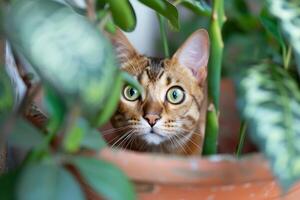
(152,119)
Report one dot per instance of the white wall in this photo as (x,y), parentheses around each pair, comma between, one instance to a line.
(144,36)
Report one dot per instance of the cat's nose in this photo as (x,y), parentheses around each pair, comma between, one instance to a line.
(152,119)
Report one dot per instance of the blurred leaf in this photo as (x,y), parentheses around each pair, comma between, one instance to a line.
(164,8)
(288,13)
(75,135)
(83,135)
(100,4)
(7,185)
(6,92)
(93,140)
(270,101)
(123,14)
(198,7)
(241,6)
(110,26)
(272,26)
(67,51)
(56,109)
(24,135)
(47,182)
(104,178)
(101,14)
(1,18)
(240,51)
(3,118)
(76,5)
(112,102)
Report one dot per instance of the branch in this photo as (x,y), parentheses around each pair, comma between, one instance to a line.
(90,7)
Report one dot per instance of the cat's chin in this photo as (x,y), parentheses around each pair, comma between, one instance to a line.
(153,139)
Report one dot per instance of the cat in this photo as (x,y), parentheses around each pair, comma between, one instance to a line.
(168,116)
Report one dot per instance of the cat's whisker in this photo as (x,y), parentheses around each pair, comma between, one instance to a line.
(143,145)
(196,131)
(173,143)
(122,137)
(187,146)
(111,131)
(197,145)
(112,139)
(120,145)
(131,139)
(177,140)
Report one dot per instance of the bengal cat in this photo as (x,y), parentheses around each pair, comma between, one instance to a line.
(169,115)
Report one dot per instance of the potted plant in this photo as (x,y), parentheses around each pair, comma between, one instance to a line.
(66,157)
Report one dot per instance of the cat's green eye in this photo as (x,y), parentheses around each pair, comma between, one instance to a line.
(175,95)
(130,93)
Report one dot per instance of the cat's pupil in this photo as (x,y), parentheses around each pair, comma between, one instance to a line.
(132,91)
(174,94)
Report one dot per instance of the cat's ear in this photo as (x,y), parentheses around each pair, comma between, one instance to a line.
(194,54)
(123,48)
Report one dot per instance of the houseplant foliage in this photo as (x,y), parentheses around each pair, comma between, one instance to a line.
(76,65)
(81,81)
(269,94)
(270,100)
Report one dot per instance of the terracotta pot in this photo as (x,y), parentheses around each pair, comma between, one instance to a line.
(217,177)
(210,178)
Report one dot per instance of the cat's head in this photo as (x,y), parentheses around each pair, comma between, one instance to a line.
(167,112)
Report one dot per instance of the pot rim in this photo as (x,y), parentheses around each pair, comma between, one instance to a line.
(221,169)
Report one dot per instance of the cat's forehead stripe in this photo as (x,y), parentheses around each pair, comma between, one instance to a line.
(155,68)
(169,80)
(156,63)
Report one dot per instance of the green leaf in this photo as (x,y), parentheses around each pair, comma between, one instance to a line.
(100,4)
(6,92)
(123,14)
(83,135)
(110,26)
(198,7)
(1,21)
(288,13)
(47,182)
(75,135)
(270,102)
(8,184)
(93,140)
(112,101)
(56,109)
(272,26)
(24,135)
(104,178)
(164,8)
(66,50)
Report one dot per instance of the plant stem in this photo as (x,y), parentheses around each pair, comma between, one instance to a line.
(214,77)
(163,34)
(73,116)
(211,137)
(242,137)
